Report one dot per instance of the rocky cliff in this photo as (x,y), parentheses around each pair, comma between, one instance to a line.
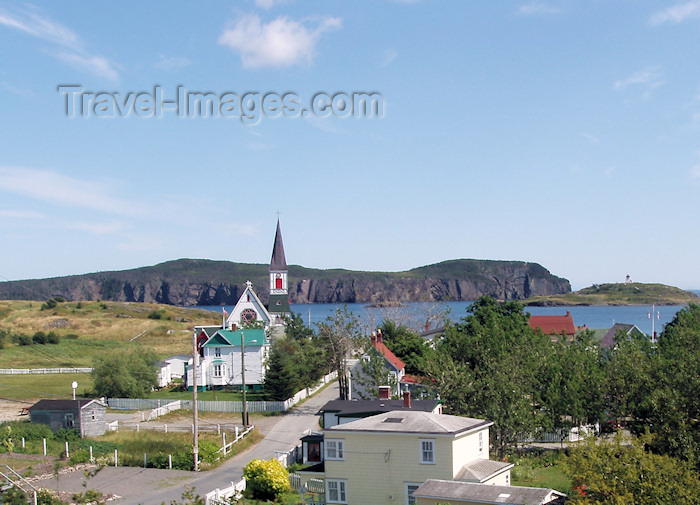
(205,282)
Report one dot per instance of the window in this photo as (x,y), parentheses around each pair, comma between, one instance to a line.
(335,449)
(427,452)
(508,479)
(410,488)
(481,441)
(217,352)
(335,491)
(68,420)
(219,370)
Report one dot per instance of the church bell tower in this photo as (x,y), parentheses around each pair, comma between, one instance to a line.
(279,295)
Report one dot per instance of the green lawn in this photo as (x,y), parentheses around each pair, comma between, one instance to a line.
(34,387)
(67,353)
(540,470)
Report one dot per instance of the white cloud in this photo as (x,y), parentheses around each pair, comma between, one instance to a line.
(172,63)
(648,79)
(590,137)
(538,9)
(268,4)
(388,57)
(52,187)
(282,42)
(33,22)
(21,214)
(105,228)
(677,13)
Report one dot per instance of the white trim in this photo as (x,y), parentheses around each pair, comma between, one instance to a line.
(341,490)
(336,445)
(426,455)
(416,485)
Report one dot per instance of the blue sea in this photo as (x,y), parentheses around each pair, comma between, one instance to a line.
(415,314)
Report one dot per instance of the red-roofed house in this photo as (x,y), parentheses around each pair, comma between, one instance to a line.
(396,370)
(554,325)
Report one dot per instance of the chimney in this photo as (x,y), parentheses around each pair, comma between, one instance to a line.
(384,392)
(407,399)
(379,336)
(568,313)
(373,338)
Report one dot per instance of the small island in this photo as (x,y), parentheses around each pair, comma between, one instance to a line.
(629,293)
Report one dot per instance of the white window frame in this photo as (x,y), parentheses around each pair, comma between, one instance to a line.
(423,451)
(341,491)
(411,500)
(218,370)
(335,449)
(217,352)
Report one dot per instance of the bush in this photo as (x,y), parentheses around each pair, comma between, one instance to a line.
(48,304)
(13,496)
(67,435)
(52,338)
(265,480)
(29,431)
(39,337)
(155,314)
(47,497)
(24,340)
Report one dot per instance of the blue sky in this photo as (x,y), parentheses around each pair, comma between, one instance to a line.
(564,133)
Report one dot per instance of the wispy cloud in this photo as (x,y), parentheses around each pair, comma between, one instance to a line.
(590,137)
(172,63)
(282,42)
(647,79)
(70,48)
(539,9)
(388,57)
(99,228)
(52,187)
(677,13)
(268,4)
(21,214)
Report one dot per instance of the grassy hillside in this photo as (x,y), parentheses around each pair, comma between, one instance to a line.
(88,329)
(635,293)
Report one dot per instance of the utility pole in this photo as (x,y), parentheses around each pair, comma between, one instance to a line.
(245,405)
(195,425)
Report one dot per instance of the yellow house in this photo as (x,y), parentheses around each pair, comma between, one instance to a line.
(443,492)
(383,459)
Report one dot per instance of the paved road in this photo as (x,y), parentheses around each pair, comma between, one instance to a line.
(150,486)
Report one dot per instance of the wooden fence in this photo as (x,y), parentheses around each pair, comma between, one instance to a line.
(27,371)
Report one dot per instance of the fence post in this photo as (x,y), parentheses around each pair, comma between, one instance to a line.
(92,460)
(142,417)
(192,428)
(144,460)
(67,453)
(218,429)
(22,442)
(115,457)
(170,461)
(166,428)
(236,432)
(224,435)
(44,447)
(137,427)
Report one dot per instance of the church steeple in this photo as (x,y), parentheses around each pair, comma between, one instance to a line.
(279,298)
(278,261)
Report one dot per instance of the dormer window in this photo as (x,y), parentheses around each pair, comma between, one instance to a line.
(217,352)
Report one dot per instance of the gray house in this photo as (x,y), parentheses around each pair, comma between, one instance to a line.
(86,416)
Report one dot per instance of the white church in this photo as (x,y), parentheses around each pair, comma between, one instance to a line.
(245,333)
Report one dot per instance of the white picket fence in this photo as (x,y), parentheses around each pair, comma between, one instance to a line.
(220,496)
(27,371)
(160,411)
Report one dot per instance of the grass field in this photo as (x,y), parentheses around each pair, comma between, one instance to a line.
(34,387)
(540,470)
(88,329)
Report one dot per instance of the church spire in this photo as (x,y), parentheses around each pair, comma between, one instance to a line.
(278,261)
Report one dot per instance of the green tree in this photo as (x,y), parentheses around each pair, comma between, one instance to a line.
(281,382)
(265,480)
(406,344)
(127,375)
(487,366)
(340,334)
(371,374)
(618,473)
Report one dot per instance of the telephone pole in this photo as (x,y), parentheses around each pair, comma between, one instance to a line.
(195,424)
(245,405)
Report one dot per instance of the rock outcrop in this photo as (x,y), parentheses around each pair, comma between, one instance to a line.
(202,282)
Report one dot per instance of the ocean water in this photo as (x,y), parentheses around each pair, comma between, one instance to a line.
(417,313)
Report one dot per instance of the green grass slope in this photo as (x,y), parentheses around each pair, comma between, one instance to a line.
(635,293)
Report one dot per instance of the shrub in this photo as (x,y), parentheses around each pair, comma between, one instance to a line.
(24,340)
(28,430)
(52,338)
(47,497)
(39,337)
(155,314)
(13,496)
(265,480)
(71,336)
(67,435)
(48,304)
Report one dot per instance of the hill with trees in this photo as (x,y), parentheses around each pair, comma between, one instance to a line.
(630,293)
(190,282)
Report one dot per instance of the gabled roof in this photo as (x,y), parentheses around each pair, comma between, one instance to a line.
(388,355)
(278,261)
(608,341)
(553,324)
(404,421)
(63,404)
(365,408)
(481,470)
(485,493)
(253,337)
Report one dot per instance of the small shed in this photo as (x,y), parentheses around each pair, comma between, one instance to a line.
(86,416)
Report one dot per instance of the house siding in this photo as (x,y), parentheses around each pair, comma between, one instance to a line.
(378,465)
(93,422)
(466,449)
